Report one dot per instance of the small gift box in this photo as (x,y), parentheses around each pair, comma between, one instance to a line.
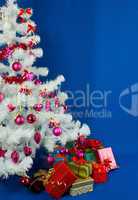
(81,186)
(60,180)
(90,155)
(107,158)
(99,173)
(81,170)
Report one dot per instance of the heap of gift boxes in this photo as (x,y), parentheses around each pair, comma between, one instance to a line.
(73,169)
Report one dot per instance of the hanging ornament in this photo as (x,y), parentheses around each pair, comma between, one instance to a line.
(16,66)
(56,102)
(25,13)
(19,120)
(37,137)
(30,76)
(11,107)
(2,153)
(27,150)
(48,105)
(38,107)
(31,118)
(50,160)
(53,123)
(57,131)
(15,156)
(1,97)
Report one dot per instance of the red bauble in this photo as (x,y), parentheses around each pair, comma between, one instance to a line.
(19,120)
(15,156)
(11,107)
(37,82)
(2,153)
(37,137)
(1,97)
(38,107)
(31,118)
(57,131)
(27,150)
(50,160)
(16,66)
(25,181)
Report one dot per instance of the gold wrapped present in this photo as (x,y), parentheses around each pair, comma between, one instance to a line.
(81,186)
(81,170)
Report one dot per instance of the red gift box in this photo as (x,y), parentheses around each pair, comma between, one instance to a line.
(99,173)
(94,144)
(60,181)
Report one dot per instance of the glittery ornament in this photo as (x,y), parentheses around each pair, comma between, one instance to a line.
(15,156)
(48,105)
(57,131)
(37,82)
(37,137)
(38,107)
(27,150)
(16,66)
(19,120)
(31,118)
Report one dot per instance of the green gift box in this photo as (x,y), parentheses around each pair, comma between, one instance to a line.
(90,155)
(81,170)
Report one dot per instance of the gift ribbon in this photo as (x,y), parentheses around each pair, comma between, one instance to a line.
(25,11)
(107,163)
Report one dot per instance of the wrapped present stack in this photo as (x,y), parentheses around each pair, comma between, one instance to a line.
(73,169)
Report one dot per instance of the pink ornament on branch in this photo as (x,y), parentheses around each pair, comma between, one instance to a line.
(27,150)
(1,97)
(15,156)
(16,66)
(19,120)
(57,131)
(31,118)
(37,137)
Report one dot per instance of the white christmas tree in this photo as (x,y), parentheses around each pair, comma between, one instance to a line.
(32,113)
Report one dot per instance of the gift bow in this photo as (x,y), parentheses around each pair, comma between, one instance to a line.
(27,11)
(31,28)
(107,163)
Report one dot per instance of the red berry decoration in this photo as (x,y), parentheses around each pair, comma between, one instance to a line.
(27,150)
(1,97)
(25,181)
(37,137)
(57,131)
(15,156)
(31,118)
(16,66)
(19,120)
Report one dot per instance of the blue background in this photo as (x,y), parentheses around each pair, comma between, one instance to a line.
(93,42)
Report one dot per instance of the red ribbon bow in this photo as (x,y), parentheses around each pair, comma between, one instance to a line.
(31,28)
(25,11)
(107,163)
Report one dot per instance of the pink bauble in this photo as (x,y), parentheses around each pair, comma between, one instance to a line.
(80,154)
(38,107)
(50,160)
(57,131)
(11,107)
(16,66)
(27,150)
(30,76)
(47,106)
(37,137)
(15,156)
(1,97)
(31,118)
(19,120)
